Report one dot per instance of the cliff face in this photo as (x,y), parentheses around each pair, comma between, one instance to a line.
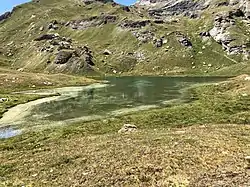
(151,37)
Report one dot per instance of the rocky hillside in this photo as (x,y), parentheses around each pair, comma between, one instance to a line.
(165,37)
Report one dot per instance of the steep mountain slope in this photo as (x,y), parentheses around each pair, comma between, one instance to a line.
(151,37)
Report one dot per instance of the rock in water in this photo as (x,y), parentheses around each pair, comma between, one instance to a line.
(128,128)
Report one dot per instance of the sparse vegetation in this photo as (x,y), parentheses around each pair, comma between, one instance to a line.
(186,145)
(202,142)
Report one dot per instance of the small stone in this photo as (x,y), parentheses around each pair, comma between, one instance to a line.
(244,95)
(209,65)
(41,28)
(34,175)
(247,79)
(114,71)
(3,100)
(107,52)
(128,128)
(33,86)
(247,158)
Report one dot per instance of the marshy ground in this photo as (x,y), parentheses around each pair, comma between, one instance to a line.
(199,143)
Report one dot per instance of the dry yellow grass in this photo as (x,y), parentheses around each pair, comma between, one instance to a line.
(208,155)
(14,80)
(158,154)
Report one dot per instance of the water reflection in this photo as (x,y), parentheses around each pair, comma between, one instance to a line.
(123,93)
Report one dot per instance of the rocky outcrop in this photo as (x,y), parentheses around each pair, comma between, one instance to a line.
(77,60)
(131,24)
(88,2)
(5,16)
(94,21)
(63,57)
(53,42)
(143,36)
(176,7)
(244,6)
(223,23)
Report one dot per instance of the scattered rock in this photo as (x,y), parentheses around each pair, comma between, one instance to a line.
(185,42)
(205,34)
(93,21)
(159,21)
(158,42)
(126,8)
(247,78)
(143,36)
(46,37)
(248,162)
(3,100)
(20,70)
(128,24)
(107,52)
(53,26)
(244,95)
(41,28)
(128,128)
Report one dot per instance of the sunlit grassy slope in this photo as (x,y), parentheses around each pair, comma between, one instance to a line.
(20,30)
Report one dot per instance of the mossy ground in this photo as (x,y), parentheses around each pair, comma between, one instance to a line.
(201,143)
